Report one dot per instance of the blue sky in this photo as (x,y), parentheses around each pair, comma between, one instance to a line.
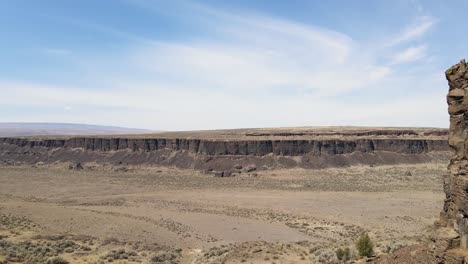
(186,65)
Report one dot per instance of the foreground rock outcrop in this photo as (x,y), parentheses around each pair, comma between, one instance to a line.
(455,212)
(450,239)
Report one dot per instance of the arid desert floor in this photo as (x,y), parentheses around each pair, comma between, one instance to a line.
(104,214)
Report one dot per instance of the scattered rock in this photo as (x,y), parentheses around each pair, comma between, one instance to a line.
(223,173)
(120,169)
(250,169)
(76,166)
(238,167)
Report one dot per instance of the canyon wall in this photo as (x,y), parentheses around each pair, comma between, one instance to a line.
(203,154)
(237,147)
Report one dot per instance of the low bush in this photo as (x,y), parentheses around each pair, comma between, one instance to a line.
(343,254)
(365,246)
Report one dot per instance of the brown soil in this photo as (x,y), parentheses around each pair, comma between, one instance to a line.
(167,215)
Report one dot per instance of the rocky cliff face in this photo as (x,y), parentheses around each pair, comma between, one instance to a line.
(455,212)
(225,155)
(252,147)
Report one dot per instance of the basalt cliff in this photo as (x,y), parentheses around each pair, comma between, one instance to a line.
(226,149)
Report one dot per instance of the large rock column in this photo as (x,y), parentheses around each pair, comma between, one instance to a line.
(455,212)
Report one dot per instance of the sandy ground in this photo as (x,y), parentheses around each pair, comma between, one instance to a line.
(166,215)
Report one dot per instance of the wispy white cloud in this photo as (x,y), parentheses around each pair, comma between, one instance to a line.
(258,53)
(414,31)
(410,54)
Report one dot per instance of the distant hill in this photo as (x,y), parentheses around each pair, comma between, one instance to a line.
(39,129)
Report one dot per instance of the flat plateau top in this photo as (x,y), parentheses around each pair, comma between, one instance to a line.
(289,133)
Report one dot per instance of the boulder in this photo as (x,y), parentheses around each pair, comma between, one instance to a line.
(250,169)
(76,166)
(223,173)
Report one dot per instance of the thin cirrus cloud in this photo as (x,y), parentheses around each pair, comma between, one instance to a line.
(416,30)
(258,53)
(252,70)
(410,54)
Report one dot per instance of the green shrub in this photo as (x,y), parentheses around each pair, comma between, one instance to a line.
(343,254)
(365,246)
